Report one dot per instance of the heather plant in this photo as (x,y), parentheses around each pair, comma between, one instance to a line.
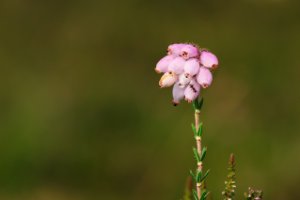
(189,69)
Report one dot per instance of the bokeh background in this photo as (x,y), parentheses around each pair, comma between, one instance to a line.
(82,116)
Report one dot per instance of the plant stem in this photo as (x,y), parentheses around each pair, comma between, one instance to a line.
(199,149)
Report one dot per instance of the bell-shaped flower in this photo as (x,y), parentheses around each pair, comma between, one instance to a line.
(208,59)
(176,65)
(168,79)
(189,51)
(163,64)
(178,94)
(184,80)
(192,91)
(175,49)
(191,67)
(204,77)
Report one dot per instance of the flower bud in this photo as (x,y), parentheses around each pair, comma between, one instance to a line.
(168,79)
(178,94)
(189,51)
(175,49)
(162,65)
(209,60)
(192,91)
(191,67)
(176,65)
(204,77)
(184,80)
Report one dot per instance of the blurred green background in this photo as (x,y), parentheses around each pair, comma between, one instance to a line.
(82,116)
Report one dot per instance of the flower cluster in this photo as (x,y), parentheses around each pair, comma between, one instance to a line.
(188,68)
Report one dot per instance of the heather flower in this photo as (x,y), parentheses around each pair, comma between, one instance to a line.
(191,67)
(162,65)
(175,49)
(208,59)
(204,77)
(168,79)
(189,51)
(178,94)
(187,69)
(192,91)
(177,65)
(184,80)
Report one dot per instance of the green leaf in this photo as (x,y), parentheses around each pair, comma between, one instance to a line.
(200,103)
(192,175)
(195,195)
(199,177)
(203,153)
(194,130)
(197,104)
(199,132)
(205,175)
(204,195)
(197,157)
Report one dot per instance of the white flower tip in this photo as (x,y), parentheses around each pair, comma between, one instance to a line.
(157,71)
(205,85)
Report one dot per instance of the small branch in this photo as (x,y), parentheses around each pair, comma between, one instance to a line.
(230,184)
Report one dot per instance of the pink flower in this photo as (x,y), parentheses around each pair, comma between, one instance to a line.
(178,94)
(208,59)
(189,51)
(192,91)
(187,69)
(162,65)
(184,80)
(168,79)
(176,65)
(204,77)
(191,67)
(175,49)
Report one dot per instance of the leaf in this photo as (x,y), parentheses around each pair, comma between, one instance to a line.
(195,104)
(199,177)
(195,195)
(199,132)
(200,103)
(204,195)
(192,175)
(194,130)
(197,157)
(205,175)
(203,153)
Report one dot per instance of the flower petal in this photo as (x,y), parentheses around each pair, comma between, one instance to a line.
(162,65)
(208,59)
(192,91)
(176,66)
(191,67)
(189,51)
(178,94)
(184,80)
(167,80)
(204,77)
(175,49)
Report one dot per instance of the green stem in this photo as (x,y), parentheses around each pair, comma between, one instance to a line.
(199,149)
